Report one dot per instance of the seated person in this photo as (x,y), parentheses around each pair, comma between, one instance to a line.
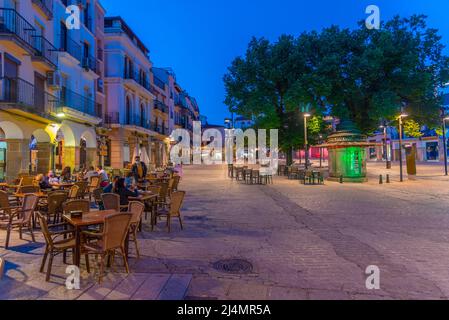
(52,178)
(91,173)
(124,192)
(66,175)
(129,180)
(43,184)
(110,187)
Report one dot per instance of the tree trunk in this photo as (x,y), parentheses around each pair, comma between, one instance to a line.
(290,156)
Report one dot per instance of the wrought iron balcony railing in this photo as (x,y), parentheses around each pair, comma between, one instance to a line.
(46,6)
(130,75)
(20,94)
(78,102)
(159,105)
(68,45)
(46,50)
(90,63)
(11,22)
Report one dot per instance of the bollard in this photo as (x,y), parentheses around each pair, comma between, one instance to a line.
(381,179)
(341,179)
(2,267)
(388,178)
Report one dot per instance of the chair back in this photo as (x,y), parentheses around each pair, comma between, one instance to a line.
(45,230)
(4,199)
(163,192)
(29,189)
(94,183)
(177,198)
(83,185)
(136,209)
(97,194)
(29,206)
(176,181)
(76,205)
(26,180)
(115,230)
(55,202)
(111,201)
(155,189)
(73,192)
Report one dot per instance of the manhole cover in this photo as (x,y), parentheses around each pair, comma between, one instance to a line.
(234,266)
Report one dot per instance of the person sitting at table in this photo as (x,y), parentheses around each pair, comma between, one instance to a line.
(110,188)
(43,183)
(124,192)
(52,178)
(66,175)
(129,180)
(90,173)
(139,170)
(104,179)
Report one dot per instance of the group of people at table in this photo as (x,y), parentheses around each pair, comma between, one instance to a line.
(125,187)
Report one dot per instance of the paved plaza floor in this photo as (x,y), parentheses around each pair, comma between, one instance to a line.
(304,242)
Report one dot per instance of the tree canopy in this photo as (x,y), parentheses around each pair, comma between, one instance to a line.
(362,75)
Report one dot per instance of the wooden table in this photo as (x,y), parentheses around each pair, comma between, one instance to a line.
(64,185)
(40,195)
(88,219)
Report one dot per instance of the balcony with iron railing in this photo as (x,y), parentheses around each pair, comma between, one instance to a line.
(78,102)
(90,63)
(159,83)
(18,94)
(46,6)
(142,81)
(70,46)
(45,51)
(159,105)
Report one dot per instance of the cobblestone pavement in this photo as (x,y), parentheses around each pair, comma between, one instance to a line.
(304,242)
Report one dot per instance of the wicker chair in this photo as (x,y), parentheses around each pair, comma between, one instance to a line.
(73,192)
(83,189)
(137,209)
(53,205)
(54,247)
(176,181)
(163,194)
(111,201)
(76,205)
(109,241)
(19,217)
(93,186)
(174,210)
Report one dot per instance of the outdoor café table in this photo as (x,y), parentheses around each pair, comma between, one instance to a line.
(40,195)
(88,219)
(63,185)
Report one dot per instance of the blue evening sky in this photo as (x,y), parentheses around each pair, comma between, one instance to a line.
(200,38)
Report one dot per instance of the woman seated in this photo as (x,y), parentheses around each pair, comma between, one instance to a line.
(52,178)
(66,175)
(124,192)
(129,180)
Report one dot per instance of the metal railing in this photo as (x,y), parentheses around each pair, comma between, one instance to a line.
(78,102)
(70,46)
(26,96)
(46,6)
(130,75)
(90,62)
(158,82)
(159,105)
(46,50)
(12,22)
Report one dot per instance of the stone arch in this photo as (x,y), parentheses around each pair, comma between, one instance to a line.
(91,146)
(69,136)
(11,130)
(41,136)
(90,137)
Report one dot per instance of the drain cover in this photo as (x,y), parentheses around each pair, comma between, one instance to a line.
(234,266)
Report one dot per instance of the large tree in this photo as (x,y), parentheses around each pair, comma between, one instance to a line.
(364,75)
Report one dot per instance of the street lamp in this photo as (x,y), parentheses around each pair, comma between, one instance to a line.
(445,144)
(400,145)
(306,140)
(384,128)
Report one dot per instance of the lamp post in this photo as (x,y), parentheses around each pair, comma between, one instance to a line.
(400,147)
(306,140)
(321,151)
(384,127)
(445,144)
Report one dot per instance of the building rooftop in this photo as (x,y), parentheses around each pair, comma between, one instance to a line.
(111,23)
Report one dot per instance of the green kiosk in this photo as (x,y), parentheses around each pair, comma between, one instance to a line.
(347,154)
